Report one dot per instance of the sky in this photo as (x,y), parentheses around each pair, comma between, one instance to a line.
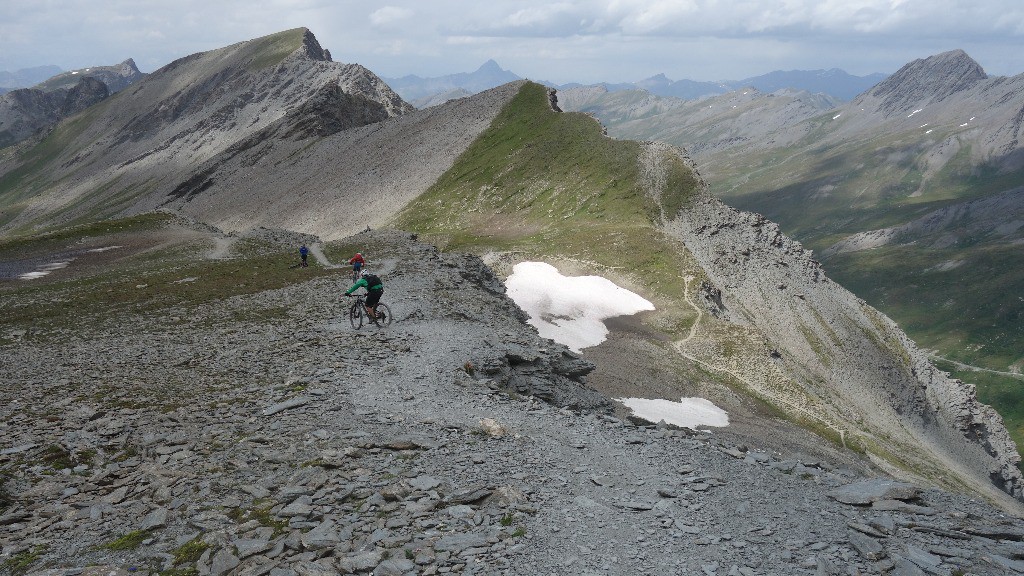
(556,41)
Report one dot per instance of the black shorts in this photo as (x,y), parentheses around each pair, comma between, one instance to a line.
(373,296)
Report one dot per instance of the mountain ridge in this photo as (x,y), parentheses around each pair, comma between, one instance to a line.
(255,132)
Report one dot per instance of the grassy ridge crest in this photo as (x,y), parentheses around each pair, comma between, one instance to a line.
(550,184)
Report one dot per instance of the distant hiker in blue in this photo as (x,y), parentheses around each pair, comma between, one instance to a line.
(304,252)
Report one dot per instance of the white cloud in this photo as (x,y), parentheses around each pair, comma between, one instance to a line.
(390,15)
(561,41)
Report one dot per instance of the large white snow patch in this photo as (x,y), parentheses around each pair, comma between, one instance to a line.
(688,412)
(570,309)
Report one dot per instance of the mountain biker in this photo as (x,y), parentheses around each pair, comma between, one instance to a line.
(303,253)
(357,263)
(374,290)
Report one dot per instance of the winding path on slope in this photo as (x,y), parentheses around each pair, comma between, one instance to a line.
(972,368)
(316,249)
(221,247)
(679,344)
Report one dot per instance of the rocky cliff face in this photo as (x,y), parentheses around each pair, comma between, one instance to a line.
(28,111)
(116,77)
(193,109)
(927,81)
(857,373)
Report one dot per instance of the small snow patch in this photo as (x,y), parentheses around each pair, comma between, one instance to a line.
(570,309)
(44,270)
(837,115)
(688,412)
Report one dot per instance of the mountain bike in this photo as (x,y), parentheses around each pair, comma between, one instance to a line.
(357,313)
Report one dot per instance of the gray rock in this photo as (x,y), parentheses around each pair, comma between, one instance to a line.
(287,404)
(394,567)
(459,542)
(223,562)
(310,568)
(866,546)
(866,492)
(247,547)
(424,483)
(361,562)
(904,567)
(324,536)
(155,519)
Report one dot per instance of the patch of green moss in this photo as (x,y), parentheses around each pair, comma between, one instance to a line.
(129,541)
(261,515)
(189,552)
(21,562)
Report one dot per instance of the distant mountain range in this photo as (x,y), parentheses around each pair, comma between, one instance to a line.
(26,77)
(834,83)
(424,92)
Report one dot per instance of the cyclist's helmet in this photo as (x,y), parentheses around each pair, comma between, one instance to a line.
(364,273)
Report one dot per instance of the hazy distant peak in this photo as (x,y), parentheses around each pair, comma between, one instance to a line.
(490,67)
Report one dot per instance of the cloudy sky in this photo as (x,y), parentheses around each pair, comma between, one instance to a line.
(552,40)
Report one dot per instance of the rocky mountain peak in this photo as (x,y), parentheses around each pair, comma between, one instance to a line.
(928,80)
(311,46)
(128,68)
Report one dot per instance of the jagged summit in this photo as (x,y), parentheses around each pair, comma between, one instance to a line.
(117,77)
(928,80)
(312,46)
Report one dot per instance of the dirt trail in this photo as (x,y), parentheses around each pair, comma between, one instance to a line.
(680,345)
(221,247)
(316,249)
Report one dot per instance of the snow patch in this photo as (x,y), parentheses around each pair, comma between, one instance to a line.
(570,309)
(44,270)
(688,412)
(837,115)
(915,112)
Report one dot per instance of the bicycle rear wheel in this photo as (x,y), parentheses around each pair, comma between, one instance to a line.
(383,315)
(355,315)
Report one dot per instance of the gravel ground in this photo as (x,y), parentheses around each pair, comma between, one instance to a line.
(264,435)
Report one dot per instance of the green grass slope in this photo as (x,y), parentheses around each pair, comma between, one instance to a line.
(549,184)
(147,266)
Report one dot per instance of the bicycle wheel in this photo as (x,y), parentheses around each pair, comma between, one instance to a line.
(355,316)
(383,315)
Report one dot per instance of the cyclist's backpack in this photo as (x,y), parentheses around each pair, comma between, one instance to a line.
(372,280)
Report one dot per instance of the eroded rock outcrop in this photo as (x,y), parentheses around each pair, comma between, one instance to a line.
(862,376)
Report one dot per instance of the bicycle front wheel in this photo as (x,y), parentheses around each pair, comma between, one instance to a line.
(355,316)
(383,315)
